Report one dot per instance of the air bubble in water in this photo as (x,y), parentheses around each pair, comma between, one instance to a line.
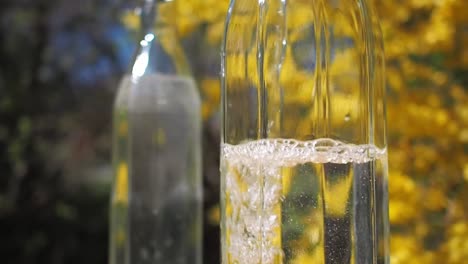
(347,117)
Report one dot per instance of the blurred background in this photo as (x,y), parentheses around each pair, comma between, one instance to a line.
(60,64)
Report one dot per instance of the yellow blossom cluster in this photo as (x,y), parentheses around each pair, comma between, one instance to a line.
(426,68)
(427,121)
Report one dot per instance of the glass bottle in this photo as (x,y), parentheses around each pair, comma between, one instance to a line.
(156,202)
(303,141)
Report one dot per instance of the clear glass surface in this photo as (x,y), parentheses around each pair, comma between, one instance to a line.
(303,155)
(156,203)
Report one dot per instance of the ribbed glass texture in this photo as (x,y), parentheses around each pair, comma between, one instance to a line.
(303,154)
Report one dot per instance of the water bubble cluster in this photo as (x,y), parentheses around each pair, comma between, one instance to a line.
(287,152)
(253,189)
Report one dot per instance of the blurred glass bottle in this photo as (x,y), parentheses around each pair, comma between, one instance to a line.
(156,203)
(303,155)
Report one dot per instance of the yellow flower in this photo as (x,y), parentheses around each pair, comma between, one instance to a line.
(286,176)
(211,93)
(337,197)
(214,215)
(131,20)
(121,184)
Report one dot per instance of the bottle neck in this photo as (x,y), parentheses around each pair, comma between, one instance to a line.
(159,47)
(157,15)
